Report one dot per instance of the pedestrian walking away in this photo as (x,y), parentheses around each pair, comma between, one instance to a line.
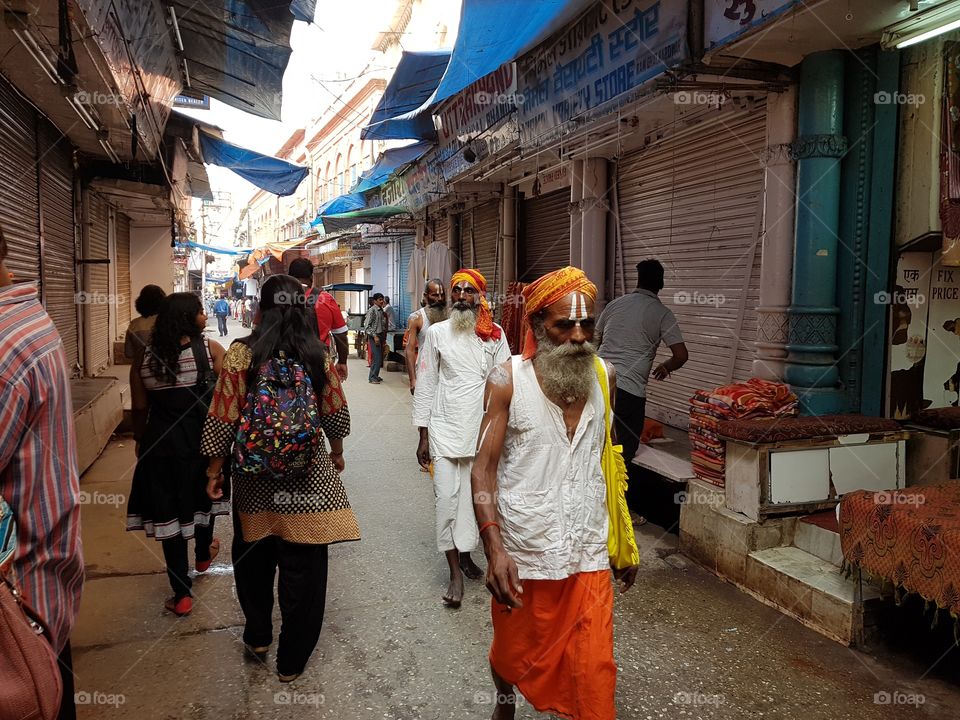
(630,330)
(148,304)
(541,501)
(40,483)
(375,328)
(171,384)
(276,399)
(222,310)
(454,361)
(434,310)
(323,313)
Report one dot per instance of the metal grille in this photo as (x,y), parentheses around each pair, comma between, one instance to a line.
(19,201)
(124,298)
(59,267)
(97,288)
(546,234)
(404,302)
(693,203)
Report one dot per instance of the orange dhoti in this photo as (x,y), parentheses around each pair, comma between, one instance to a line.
(557,650)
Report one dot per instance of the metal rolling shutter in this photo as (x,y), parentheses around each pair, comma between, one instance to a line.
(693,202)
(546,234)
(59,263)
(440,229)
(464,248)
(97,286)
(124,297)
(19,201)
(482,240)
(404,301)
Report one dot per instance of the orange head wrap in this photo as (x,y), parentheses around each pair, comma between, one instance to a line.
(485,327)
(547,290)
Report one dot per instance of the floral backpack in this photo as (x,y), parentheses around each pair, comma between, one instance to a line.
(280,422)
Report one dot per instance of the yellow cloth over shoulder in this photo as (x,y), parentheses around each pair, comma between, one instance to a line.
(621,543)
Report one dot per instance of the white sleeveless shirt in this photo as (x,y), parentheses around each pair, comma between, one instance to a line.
(422,312)
(551,491)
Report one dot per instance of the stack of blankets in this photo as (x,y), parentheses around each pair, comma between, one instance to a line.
(755,398)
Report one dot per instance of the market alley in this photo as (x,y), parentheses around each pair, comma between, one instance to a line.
(687,644)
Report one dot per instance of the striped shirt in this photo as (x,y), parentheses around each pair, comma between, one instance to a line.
(38,460)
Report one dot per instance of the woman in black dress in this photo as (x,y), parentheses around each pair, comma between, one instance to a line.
(171,383)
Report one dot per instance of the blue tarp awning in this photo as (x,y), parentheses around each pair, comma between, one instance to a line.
(398,115)
(388,163)
(237,50)
(268,173)
(493,32)
(340,204)
(214,249)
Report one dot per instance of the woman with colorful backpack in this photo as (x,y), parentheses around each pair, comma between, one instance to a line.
(171,383)
(277,397)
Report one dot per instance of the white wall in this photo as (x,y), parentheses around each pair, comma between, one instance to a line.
(151,260)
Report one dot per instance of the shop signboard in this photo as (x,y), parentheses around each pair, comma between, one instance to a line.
(941,375)
(726,20)
(415,189)
(598,63)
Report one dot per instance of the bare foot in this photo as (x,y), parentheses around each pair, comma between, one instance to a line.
(505,710)
(454,594)
(469,567)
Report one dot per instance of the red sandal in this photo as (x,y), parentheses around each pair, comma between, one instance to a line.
(180,607)
(204,565)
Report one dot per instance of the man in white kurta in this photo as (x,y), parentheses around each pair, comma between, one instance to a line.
(452,368)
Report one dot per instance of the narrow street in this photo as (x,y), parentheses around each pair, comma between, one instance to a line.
(688,645)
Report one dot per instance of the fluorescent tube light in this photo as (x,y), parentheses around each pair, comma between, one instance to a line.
(929,34)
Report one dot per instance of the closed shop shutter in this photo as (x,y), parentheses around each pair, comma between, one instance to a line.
(59,264)
(465,238)
(546,234)
(19,201)
(124,297)
(693,203)
(486,243)
(404,302)
(97,288)
(440,229)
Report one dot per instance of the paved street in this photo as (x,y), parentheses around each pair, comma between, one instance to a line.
(688,645)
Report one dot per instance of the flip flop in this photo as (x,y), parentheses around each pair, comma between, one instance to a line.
(451,603)
(638,520)
(204,565)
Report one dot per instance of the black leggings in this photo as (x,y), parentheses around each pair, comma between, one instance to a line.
(175,555)
(301,590)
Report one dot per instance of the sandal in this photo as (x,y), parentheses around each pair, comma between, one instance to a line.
(204,565)
(180,607)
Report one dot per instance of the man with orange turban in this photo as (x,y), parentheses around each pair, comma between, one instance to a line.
(540,501)
(456,356)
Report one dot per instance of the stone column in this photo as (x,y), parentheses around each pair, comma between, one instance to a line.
(594,221)
(508,231)
(776,263)
(576,217)
(811,362)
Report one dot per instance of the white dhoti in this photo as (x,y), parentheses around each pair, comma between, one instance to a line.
(456,523)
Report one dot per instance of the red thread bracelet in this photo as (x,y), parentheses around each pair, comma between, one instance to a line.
(490,523)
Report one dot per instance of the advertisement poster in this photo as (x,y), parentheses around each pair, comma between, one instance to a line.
(725,20)
(941,375)
(908,334)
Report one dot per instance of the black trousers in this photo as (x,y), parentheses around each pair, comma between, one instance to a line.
(68,707)
(222,324)
(628,423)
(175,555)
(301,590)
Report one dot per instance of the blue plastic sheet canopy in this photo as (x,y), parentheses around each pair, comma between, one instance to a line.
(215,249)
(388,163)
(340,204)
(399,116)
(267,173)
(237,50)
(493,32)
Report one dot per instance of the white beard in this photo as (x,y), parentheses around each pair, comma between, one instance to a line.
(463,321)
(567,371)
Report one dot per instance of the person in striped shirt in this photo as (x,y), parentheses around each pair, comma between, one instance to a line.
(38,462)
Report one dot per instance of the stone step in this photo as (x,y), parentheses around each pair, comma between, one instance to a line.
(819,542)
(811,590)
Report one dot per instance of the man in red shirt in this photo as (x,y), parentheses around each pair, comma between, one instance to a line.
(327,316)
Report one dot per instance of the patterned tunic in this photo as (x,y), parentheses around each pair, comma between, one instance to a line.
(312,509)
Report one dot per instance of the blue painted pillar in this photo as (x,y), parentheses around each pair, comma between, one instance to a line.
(812,345)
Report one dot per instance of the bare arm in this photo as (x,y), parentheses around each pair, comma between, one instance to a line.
(503,579)
(678,357)
(410,351)
(612,382)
